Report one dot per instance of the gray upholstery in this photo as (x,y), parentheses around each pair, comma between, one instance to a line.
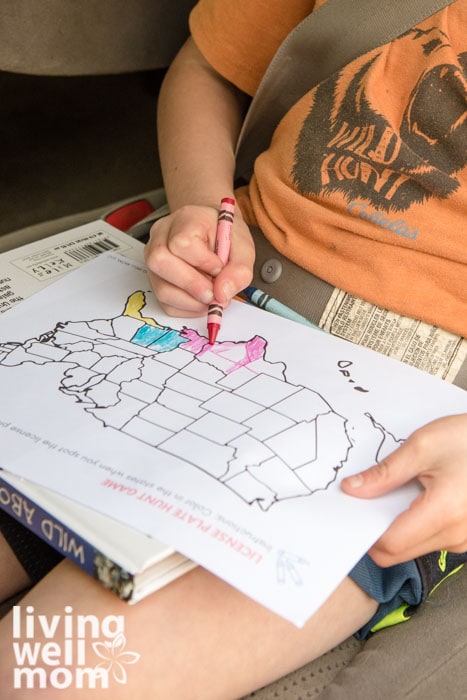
(422,659)
(89,37)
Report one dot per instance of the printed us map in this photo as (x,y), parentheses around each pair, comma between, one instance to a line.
(223,408)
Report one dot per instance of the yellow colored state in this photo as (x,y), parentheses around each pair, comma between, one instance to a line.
(136,302)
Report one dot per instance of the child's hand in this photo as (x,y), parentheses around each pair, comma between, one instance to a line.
(436,455)
(185,273)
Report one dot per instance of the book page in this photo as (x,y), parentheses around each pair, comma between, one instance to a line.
(232,454)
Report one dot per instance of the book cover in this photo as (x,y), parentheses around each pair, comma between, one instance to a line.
(123,560)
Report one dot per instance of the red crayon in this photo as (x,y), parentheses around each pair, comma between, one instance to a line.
(223,239)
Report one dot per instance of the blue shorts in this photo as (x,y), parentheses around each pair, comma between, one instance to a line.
(401,589)
(393,588)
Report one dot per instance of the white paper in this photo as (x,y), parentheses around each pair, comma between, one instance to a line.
(233,454)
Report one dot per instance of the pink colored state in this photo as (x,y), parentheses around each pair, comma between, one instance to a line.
(254,349)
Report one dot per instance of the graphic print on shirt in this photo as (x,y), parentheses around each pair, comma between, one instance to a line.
(356,151)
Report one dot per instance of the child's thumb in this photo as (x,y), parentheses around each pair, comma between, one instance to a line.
(393,471)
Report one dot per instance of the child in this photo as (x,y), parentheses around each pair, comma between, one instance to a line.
(368,148)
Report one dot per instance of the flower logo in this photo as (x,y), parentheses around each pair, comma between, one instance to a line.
(115,658)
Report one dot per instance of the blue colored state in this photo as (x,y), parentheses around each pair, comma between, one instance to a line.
(161,339)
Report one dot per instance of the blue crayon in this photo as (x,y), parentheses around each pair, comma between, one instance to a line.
(265,301)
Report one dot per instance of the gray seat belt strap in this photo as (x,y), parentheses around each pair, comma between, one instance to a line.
(324,42)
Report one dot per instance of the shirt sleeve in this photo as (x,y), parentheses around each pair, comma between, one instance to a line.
(239,39)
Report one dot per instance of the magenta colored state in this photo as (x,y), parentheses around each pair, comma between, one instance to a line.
(254,349)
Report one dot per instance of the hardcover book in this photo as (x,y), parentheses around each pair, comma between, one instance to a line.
(123,560)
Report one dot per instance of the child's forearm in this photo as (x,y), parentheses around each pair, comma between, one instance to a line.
(199,118)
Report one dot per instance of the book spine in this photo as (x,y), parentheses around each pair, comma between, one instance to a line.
(65,540)
(45,526)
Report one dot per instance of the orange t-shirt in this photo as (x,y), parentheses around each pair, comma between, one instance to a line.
(365,180)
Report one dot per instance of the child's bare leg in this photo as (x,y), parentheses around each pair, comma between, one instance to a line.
(198,637)
(13,577)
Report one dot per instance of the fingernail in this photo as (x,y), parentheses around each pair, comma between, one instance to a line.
(207,296)
(355,481)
